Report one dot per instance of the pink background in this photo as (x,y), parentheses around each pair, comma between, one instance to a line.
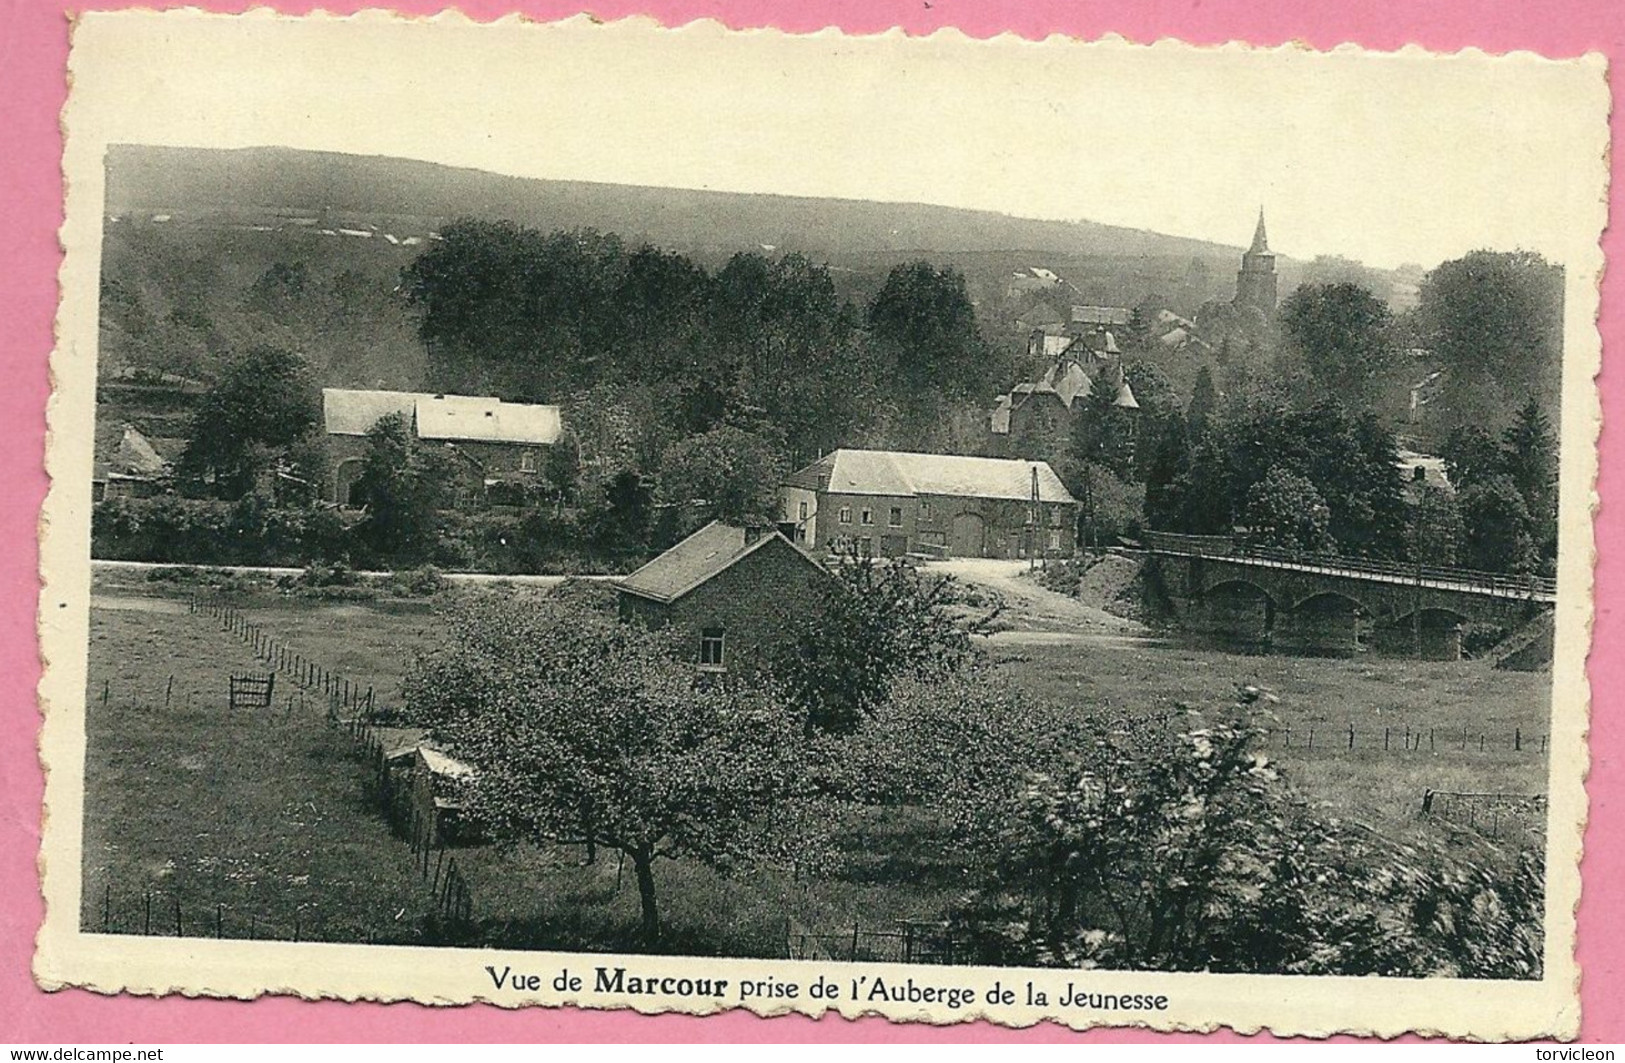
(33,50)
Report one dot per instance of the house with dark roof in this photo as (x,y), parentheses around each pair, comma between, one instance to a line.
(733,591)
(499,445)
(128,463)
(1033,412)
(891,503)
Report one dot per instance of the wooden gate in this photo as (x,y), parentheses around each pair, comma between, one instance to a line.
(969,538)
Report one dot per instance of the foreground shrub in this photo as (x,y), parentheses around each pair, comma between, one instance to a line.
(1199,858)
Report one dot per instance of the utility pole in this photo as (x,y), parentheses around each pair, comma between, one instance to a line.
(1033,522)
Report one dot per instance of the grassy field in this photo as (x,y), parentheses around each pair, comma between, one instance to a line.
(256,822)
(1409,700)
(271,818)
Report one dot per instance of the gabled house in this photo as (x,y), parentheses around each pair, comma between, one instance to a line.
(130,464)
(498,444)
(1032,413)
(891,503)
(734,592)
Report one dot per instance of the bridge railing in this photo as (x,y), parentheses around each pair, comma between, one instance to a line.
(1524,586)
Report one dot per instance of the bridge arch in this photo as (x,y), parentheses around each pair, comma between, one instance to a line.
(1238,610)
(1431,633)
(1326,623)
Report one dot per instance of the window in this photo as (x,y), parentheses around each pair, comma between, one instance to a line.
(1054,540)
(711,649)
(925,512)
(897,516)
(801,535)
(846,514)
(801,511)
(868,516)
(866,547)
(1029,517)
(527,461)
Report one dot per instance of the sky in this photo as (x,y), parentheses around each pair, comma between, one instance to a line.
(1388,159)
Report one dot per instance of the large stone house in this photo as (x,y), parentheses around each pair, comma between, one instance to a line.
(888,503)
(1034,413)
(498,444)
(734,592)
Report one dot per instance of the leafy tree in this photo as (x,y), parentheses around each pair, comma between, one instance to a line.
(621,516)
(735,474)
(582,727)
(1436,528)
(925,323)
(1494,321)
(1499,534)
(403,485)
(1530,459)
(1169,460)
(1340,331)
(264,401)
(1471,456)
(1204,400)
(1103,433)
(1132,854)
(1286,512)
(879,622)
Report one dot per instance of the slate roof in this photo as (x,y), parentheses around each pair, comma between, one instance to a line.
(460,418)
(886,472)
(698,558)
(1101,315)
(353,413)
(477,420)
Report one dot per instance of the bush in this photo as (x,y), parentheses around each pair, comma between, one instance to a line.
(425,581)
(1479,638)
(1200,858)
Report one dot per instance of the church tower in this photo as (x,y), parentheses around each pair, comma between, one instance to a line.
(1255,281)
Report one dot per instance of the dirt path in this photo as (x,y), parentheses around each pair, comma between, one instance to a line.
(1030,608)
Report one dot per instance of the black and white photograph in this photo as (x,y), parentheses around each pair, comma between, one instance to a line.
(707,516)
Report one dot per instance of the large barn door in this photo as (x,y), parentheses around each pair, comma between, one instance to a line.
(969,536)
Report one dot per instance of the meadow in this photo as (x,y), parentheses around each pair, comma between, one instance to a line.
(264,824)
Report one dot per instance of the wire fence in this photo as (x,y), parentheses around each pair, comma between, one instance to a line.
(904,942)
(346,698)
(1498,815)
(1407,739)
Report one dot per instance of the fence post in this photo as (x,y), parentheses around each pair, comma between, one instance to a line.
(219,910)
(169,688)
(1311,738)
(146,915)
(107,906)
(1517,739)
(1385,739)
(854,941)
(1351,736)
(177,915)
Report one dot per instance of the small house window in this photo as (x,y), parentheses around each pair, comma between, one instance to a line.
(846,514)
(1054,540)
(897,516)
(868,516)
(801,511)
(925,512)
(1055,518)
(866,547)
(527,461)
(711,648)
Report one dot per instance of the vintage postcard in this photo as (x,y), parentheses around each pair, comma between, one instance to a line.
(614,516)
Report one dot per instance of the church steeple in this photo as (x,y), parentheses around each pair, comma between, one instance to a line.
(1255,281)
(1261,240)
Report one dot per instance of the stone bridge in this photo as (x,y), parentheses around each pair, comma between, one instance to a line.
(1330,605)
